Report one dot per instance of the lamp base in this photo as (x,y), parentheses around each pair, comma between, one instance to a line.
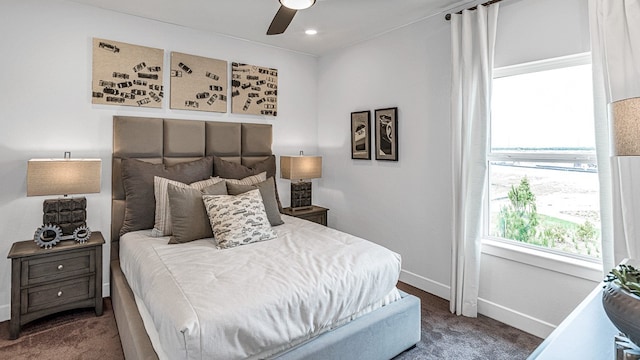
(68,213)
(300,195)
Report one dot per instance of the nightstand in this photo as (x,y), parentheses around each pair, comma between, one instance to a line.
(316,214)
(46,281)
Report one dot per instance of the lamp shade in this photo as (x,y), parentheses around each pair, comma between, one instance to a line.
(300,167)
(297,4)
(626,126)
(63,176)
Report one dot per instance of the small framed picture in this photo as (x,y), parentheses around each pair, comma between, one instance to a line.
(386,123)
(360,135)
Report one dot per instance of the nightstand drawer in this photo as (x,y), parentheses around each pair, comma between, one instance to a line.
(47,268)
(316,218)
(317,214)
(57,293)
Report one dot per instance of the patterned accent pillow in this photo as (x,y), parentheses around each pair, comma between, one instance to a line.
(162,225)
(238,220)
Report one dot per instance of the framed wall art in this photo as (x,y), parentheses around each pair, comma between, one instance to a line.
(360,135)
(198,83)
(386,124)
(254,90)
(126,74)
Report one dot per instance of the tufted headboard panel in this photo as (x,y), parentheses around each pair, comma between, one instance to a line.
(172,141)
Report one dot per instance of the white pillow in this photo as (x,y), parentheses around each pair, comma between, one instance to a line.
(162,224)
(238,220)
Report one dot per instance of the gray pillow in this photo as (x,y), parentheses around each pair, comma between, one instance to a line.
(231,170)
(267,191)
(189,218)
(137,180)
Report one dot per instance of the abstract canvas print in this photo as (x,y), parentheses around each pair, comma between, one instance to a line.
(198,83)
(254,90)
(126,74)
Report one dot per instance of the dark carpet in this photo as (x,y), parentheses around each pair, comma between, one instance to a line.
(79,334)
(447,336)
(70,335)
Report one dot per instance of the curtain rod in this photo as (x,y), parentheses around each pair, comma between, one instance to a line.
(448,16)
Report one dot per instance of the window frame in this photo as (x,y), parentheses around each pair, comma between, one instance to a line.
(588,267)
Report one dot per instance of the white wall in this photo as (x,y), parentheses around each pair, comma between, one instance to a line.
(406,206)
(45,102)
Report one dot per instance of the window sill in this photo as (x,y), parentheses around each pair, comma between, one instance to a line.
(585,269)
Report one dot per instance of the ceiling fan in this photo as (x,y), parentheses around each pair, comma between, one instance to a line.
(288,9)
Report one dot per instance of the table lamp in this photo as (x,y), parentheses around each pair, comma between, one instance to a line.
(63,216)
(297,169)
(626,127)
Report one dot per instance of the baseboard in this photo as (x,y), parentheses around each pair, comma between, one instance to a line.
(515,318)
(487,308)
(106,290)
(5,312)
(428,285)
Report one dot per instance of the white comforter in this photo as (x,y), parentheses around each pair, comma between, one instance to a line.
(256,300)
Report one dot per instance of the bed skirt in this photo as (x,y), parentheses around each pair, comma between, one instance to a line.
(381,334)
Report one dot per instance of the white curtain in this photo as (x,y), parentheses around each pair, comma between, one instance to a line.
(472,39)
(615,47)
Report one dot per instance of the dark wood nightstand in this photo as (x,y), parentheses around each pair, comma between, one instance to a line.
(46,281)
(316,214)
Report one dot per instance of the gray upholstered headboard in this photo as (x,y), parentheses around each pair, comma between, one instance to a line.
(172,141)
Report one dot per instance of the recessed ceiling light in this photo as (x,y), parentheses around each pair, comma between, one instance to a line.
(311,31)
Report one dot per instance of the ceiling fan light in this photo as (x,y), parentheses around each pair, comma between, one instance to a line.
(297,4)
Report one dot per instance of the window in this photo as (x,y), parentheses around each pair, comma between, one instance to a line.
(543,180)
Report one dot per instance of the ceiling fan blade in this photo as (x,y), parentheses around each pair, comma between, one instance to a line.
(281,21)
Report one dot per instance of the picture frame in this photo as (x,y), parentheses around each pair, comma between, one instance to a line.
(361,135)
(386,126)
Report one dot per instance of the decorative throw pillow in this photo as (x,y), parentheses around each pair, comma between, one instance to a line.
(231,170)
(162,224)
(267,191)
(249,180)
(137,180)
(238,220)
(188,215)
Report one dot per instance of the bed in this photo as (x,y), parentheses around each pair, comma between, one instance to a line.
(355,329)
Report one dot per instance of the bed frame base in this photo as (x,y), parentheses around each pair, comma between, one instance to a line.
(381,334)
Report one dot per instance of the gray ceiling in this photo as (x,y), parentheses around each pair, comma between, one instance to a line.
(339,23)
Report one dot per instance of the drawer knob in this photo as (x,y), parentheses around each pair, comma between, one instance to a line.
(59,293)
(60,267)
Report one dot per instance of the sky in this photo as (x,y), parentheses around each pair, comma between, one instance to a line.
(544,109)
